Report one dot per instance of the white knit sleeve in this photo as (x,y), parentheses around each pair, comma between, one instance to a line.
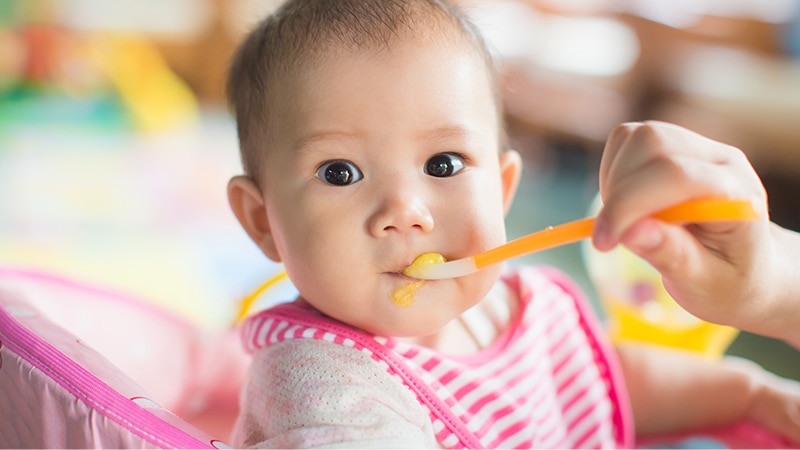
(315,394)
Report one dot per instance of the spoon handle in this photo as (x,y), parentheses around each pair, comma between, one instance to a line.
(541,240)
(692,211)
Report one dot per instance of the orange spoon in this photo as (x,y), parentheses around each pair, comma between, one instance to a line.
(692,211)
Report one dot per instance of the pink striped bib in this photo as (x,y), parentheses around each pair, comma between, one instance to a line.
(550,381)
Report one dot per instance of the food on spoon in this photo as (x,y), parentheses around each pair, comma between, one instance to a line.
(404,296)
(423,261)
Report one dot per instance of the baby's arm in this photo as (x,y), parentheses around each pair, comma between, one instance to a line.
(673,391)
(743,274)
(308,393)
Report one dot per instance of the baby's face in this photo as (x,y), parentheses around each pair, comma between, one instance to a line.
(376,158)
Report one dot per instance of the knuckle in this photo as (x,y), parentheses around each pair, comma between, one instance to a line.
(675,171)
(623,130)
(650,134)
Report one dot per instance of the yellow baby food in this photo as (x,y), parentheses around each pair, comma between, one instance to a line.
(424,260)
(404,295)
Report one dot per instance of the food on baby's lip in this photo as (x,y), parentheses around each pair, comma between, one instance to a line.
(404,295)
(424,260)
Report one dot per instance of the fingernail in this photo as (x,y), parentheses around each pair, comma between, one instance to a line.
(600,235)
(645,238)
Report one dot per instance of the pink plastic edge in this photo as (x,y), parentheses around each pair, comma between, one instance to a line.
(84,385)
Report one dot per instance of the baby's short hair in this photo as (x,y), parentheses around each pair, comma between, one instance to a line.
(302,29)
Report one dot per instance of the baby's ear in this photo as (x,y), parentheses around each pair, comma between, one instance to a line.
(510,173)
(248,206)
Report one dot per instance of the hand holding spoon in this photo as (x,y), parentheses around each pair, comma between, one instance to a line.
(431,266)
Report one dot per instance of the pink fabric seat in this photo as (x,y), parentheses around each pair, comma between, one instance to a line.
(81,367)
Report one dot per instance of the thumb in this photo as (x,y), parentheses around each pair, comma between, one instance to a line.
(670,249)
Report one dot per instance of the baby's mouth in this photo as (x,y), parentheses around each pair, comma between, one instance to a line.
(399,274)
(421,263)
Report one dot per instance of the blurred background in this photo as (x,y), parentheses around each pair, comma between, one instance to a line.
(116,146)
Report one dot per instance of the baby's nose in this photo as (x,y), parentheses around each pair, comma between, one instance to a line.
(401,210)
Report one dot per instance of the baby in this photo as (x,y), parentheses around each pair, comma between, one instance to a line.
(371,132)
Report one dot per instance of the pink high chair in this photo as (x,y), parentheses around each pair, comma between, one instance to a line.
(85,368)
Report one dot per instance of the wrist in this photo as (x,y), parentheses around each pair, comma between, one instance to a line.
(766,303)
(780,317)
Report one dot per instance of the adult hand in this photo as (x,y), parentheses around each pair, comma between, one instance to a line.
(734,273)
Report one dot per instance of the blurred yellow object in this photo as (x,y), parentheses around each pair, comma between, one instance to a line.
(639,308)
(627,324)
(155,97)
(247,303)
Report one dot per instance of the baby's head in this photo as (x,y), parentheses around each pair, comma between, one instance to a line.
(291,41)
(370,133)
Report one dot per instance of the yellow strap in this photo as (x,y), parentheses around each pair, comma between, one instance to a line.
(248,302)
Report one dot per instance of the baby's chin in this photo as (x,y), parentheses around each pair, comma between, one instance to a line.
(423,313)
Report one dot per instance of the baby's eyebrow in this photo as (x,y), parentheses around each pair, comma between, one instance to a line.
(448,132)
(310,143)
(306,143)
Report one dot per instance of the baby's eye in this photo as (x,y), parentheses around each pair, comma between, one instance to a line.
(339,173)
(444,165)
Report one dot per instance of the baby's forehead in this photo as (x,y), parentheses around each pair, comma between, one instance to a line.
(317,73)
(320,75)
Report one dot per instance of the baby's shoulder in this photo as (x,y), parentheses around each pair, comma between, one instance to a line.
(295,363)
(303,370)
(295,359)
